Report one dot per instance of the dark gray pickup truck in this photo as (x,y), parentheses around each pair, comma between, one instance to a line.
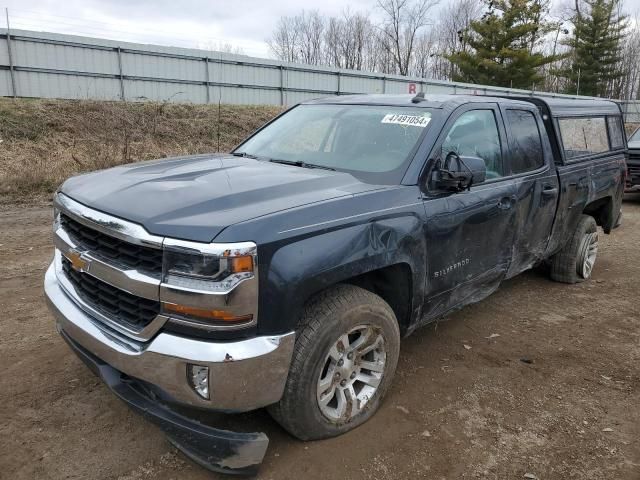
(283,275)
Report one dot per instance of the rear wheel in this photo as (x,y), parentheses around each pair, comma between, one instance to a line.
(575,262)
(343,363)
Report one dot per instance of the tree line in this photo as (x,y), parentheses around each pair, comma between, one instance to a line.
(588,47)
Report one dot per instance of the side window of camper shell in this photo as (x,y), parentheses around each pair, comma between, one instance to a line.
(583,136)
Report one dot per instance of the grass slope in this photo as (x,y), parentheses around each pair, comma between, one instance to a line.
(43,142)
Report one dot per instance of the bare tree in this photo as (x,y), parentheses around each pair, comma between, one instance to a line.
(333,34)
(630,82)
(453,21)
(426,46)
(284,40)
(553,44)
(403,19)
(310,28)
(224,47)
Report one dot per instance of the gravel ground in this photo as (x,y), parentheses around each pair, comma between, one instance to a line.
(571,410)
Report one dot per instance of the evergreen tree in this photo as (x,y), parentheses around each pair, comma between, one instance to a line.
(503,45)
(596,48)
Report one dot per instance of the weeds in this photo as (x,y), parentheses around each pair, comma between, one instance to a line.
(43,142)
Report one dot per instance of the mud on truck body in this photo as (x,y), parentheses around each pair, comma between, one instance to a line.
(283,275)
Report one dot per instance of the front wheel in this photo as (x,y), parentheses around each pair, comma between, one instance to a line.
(343,363)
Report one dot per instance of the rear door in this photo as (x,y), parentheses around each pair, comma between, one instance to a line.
(530,165)
(469,234)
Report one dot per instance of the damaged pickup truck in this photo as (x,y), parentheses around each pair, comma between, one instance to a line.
(283,275)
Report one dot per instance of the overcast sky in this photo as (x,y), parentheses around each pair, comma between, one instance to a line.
(184,23)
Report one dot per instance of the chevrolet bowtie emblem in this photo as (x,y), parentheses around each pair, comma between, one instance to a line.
(77,262)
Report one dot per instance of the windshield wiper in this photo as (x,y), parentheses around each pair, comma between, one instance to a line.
(244,155)
(299,163)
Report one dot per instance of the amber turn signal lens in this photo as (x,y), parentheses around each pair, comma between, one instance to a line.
(215,315)
(241,264)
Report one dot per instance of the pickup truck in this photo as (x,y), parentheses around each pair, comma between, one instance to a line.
(284,274)
(633,164)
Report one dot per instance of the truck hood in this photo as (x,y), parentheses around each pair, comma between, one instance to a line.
(196,197)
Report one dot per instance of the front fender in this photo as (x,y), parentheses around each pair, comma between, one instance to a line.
(309,265)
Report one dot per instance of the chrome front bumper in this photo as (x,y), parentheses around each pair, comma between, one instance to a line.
(243,375)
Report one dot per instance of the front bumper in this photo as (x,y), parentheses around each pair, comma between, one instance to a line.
(216,450)
(243,376)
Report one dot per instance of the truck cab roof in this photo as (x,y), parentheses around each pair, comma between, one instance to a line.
(428,101)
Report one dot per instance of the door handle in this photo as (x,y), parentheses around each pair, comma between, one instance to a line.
(549,190)
(505,203)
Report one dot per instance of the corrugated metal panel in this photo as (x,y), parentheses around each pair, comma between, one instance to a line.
(5,84)
(360,84)
(320,81)
(441,89)
(632,111)
(244,96)
(60,57)
(297,97)
(395,86)
(4,52)
(151,66)
(139,90)
(47,85)
(91,68)
(244,74)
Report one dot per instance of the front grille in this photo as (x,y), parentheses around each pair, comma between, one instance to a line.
(112,302)
(113,249)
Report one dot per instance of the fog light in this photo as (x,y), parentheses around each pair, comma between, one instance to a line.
(198,377)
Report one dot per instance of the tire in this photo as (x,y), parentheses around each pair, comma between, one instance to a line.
(574,263)
(327,320)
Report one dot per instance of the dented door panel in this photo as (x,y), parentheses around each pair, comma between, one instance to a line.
(535,207)
(469,236)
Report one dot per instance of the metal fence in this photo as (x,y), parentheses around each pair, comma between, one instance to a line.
(51,65)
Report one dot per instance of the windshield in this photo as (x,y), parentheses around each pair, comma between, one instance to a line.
(374,143)
(636,136)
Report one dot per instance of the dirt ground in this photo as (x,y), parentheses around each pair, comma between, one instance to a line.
(571,410)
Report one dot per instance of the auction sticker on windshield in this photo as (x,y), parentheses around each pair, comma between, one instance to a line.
(412,120)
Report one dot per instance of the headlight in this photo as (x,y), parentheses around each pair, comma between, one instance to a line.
(199,282)
(195,265)
(204,271)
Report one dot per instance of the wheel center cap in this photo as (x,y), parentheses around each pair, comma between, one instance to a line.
(348,367)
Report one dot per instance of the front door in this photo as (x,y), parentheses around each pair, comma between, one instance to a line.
(469,234)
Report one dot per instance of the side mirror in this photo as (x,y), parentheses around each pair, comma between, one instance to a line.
(459,172)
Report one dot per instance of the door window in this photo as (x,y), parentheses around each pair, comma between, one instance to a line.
(475,134)
(526,144)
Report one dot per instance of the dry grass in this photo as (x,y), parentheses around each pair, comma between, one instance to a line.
(43,142)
